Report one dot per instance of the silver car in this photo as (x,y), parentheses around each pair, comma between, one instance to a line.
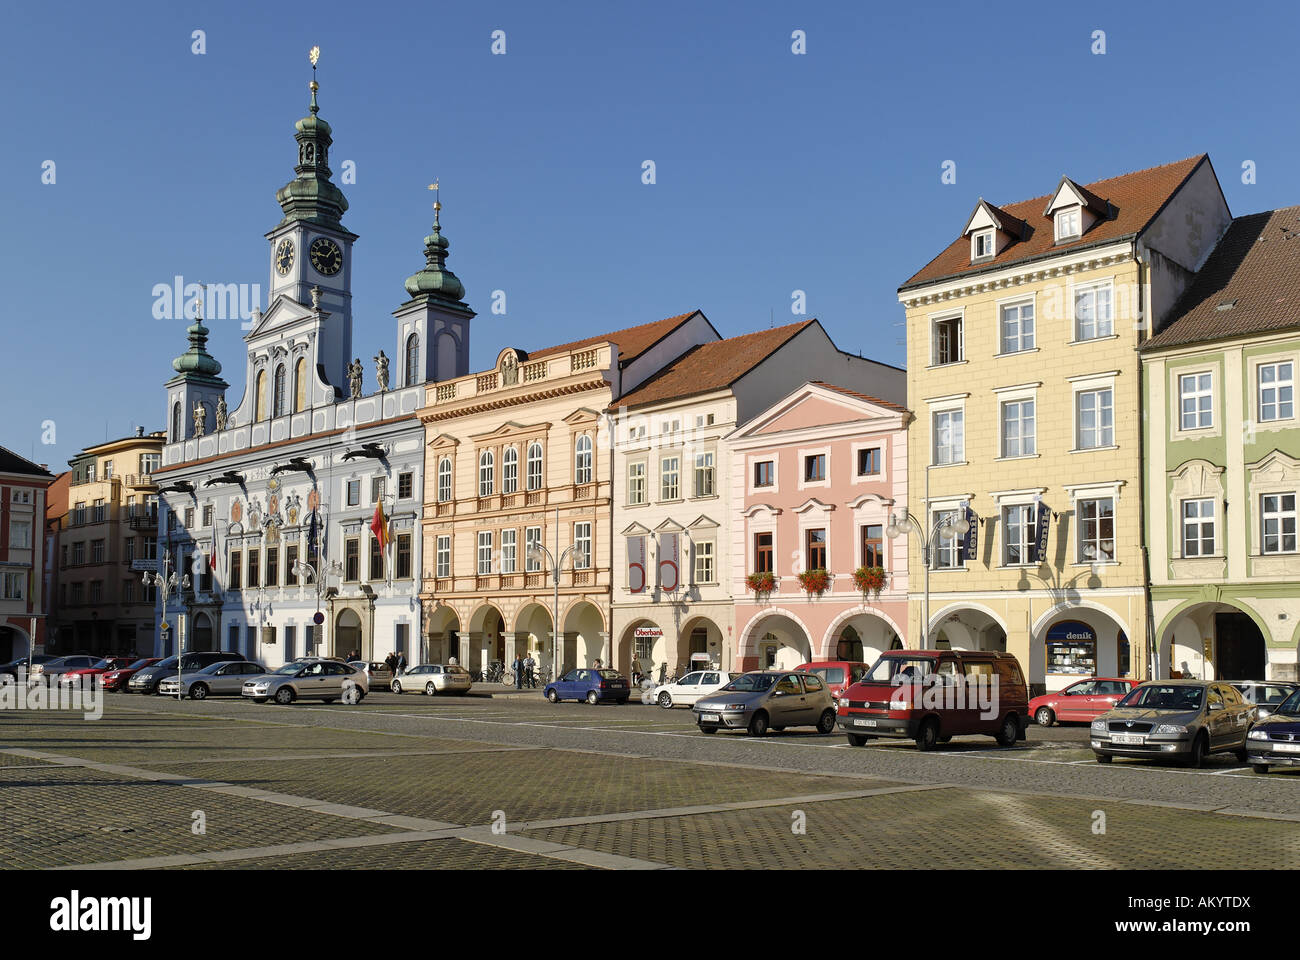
(327,680)
(1175,719)
(223,679)
(431,679)
(1265,694)
(764,700)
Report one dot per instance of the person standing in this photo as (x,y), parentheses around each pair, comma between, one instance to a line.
(518,668)
(530,665)
(401,663)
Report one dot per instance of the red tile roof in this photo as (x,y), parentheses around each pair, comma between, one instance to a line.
(631,342)
(712,366)
(1250,284)
(861,396)
(1135,197)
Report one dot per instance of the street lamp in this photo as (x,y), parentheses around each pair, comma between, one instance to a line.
(167,580)
(536,553)
(311,572)
(944,529)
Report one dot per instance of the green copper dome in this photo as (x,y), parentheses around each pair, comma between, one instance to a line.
(435,279)
(311,197)
(197,360)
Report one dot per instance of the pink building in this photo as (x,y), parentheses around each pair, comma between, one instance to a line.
(815,478)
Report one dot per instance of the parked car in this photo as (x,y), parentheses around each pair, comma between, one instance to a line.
(146,679)
(1275,740)
(590,684)
(931,696)
(837,674)
(763,700)
(9,671)
(689,688)
(1083,700)
(1265,695)
(118,679)
(96,669)
(431,679)
(378,675)
(327,680)
(223,678)
(53,668)
(1178,719)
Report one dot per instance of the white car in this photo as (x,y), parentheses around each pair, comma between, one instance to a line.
(432,679)
(688,689)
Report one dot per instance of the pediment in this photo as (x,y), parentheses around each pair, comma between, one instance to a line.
(1197,478)
(283,310)
(444,442)
(636,530)
(583,415)
(1275,467)
(761,510)
(874,498)
(812,503)
(508,429)
(702,522)
(669,526)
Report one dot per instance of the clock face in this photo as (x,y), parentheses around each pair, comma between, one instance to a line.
(326,256)
(284,258)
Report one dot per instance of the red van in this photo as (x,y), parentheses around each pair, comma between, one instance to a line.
(837,674)
(931,696)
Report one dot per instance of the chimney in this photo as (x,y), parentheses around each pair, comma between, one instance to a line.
(139,431)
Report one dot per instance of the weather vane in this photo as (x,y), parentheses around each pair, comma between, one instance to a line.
(314,55)
(437,204)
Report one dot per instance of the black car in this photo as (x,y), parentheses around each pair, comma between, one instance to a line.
(1275,740)
(147,680)
(11,668)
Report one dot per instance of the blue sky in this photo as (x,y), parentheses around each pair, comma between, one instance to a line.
(774,172)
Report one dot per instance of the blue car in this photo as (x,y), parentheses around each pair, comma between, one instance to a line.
(588,684)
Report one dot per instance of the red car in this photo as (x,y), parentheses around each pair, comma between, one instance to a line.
(1083,700)
(116,679)
(837,674)
(97,669)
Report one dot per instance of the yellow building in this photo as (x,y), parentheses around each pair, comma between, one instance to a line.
(1025,459)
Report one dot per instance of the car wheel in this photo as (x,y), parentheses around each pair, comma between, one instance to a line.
(1009,732)
(708,729)
(430,689)
(552,696)
(1103,757)
(395,686)
(284,696)
(1259,767)
(592,697)
(1045,717)
(199,691)
(827,722)
(1196,759)
(758,724)
(666,700)
(857,740)
(928,736)
(1240,754)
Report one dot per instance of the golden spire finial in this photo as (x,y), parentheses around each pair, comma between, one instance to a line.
(437,204)
(314,55)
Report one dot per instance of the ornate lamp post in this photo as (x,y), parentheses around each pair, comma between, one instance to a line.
(944,529)
(167,580)
(318,573)
(536,553)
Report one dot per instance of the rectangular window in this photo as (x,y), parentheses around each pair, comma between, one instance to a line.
(949,436)
(236,569)
(582,559)
(1094,313)
(1096,530)
(1067,223)
(815,549)
(704,474)
(291,565)
(1195,401)
(128,591)
(20,534)
(1018,535)
(402,551)
(636,483)
(1096,419)
(1277,511)
(352,560)
(101,511)
(869,462)
(254,568)
(96,591)
(1276,391)
(983,244)
(78,553)
(704,561)
(532,544)
(668,479)
(404,486)
(873,545)
(207,515)
(814,468)
(1198,528)
(764,473)
(509,550)
(947,346)
(78,514)
(376,559)
(1017,327)
(108,469)
(97,551)
(149,462)
(354,493)
(484,553)
(272,566)
(189,518)
(129,547)
(947,556)
(14,583)
(763,553)
(376,489)
(1018,431)
(444,556)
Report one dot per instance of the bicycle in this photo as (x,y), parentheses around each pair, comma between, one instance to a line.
(496,672)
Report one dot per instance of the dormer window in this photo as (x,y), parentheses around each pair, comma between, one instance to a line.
(1067,224)
(982,245)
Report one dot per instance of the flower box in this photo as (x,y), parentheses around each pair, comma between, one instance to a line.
(869,579)
(815,581)
(761,583)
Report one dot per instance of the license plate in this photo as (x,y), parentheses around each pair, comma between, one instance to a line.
(710,716)
(1286,747)
(1128,738)
(859,722)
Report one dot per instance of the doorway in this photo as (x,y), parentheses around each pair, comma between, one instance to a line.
(1238,648)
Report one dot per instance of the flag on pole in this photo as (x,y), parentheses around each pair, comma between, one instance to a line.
(379,525)
(311,537)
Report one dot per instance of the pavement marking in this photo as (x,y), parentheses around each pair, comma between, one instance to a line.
(360,755)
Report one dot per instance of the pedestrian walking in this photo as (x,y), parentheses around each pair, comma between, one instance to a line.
(518,668)
(530,665)
(401,663)
(391,661)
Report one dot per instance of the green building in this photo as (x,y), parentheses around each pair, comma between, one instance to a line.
(1222,451)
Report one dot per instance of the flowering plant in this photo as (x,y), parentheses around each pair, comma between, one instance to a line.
(815,581)
(764,582)
(869,579)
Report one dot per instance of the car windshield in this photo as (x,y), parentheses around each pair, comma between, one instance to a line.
(610,674)
(289,669)
(168,664)
(1290,706)
(899,670)
(753,682)
(139,664)
(1165,697)
(102,664)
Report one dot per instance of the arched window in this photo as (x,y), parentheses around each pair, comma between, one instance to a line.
(582,461)
(510,470)
(259,396)
(300,385)
(413,359)
(535,466)
(279,393)
(486,473)
(444,480)
(178,434)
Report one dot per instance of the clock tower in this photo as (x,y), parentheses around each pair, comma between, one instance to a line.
(310,247)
